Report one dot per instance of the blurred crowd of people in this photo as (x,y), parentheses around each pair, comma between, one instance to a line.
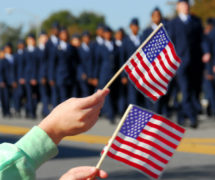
(55,67)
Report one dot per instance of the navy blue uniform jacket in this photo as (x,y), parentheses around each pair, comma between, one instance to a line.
(187,38)
(106,64)
(86,62)
(65,64)
(30,65)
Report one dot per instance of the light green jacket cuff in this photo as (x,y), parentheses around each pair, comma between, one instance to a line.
(38,146)
(20,161)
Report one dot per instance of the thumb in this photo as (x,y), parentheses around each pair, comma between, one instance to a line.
(94,99)
(85,172)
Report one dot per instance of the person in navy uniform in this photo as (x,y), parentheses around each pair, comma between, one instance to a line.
(2,84)
(130,45)
(161,106)
(209,60)
(85,66)
(156,19)
(119,102)
(105,69)
(51,53)
(75,42)
(186,33)
(4,93)
(65,66)
(31,75)
(19,60)
(42,72)
(93,80)
(9,71)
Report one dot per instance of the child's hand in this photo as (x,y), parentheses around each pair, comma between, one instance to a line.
(83,173)
(74,116)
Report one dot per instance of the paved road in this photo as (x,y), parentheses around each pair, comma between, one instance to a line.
(194,159)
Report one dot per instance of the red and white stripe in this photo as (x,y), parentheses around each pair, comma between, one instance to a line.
(152,78)
(152,149)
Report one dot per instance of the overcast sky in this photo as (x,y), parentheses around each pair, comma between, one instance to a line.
(117,12)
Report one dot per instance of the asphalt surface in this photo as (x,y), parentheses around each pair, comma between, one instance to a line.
(194,159)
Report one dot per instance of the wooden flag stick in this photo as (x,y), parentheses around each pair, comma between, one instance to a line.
(113,136)
(122,68)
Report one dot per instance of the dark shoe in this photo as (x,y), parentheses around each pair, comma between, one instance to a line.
(8,116)
(194,125)
(180,119)
(208,110)
(112,121)
(200,112)
(181,123)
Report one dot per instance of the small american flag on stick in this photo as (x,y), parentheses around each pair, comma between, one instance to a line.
(153,65)
(144,141)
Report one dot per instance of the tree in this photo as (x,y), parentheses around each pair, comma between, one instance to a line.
(9,34)
(90,20)
(203,8)
(65,19)
(75,24)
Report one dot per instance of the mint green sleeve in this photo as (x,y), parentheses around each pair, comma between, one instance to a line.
(20,161)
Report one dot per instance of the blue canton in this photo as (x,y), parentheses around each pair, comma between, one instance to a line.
(135,122)
(156,44)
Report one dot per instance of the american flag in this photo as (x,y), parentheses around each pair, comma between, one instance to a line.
(153,65)
(146,141)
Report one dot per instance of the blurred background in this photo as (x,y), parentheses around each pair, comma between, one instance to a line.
(19,18)
(51,50)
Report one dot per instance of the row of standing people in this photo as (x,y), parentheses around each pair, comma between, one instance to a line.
(59,70)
